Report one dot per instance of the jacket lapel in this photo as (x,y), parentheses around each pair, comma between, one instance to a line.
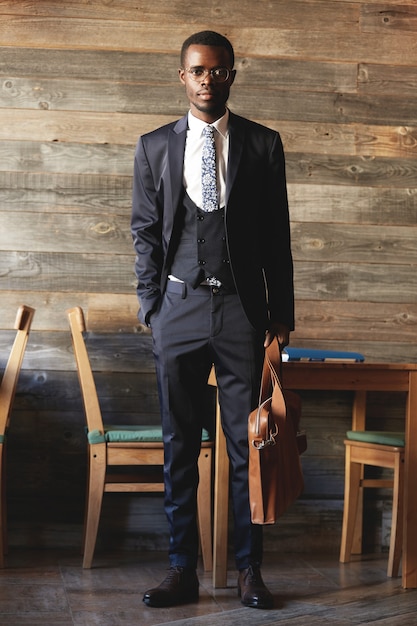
(176,147)
(236,140)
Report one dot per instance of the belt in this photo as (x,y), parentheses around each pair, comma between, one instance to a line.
(174,286)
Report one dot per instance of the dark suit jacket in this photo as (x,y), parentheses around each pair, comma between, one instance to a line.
(256,217)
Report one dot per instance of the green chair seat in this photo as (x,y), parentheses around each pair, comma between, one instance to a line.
(129,434)
(375,436)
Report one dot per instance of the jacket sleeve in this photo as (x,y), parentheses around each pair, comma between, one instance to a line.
(146,226)
(277,256)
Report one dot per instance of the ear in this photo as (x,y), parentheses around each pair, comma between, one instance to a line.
(181,73)
(232,77)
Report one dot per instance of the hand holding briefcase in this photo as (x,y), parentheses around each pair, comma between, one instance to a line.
(275,444)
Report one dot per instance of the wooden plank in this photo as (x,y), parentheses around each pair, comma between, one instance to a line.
(76,33)
(358,243)
(49,271)
(51,351)
(118,10)
(349,321)
(295,75)
(385,141)
(79,33)
(126,397)
(345,108)
(383,18)
(65,233)
(88,127)
(78,95)
(383,79)
(90,64)
(158,9)
(119,310)
(357,204)
(378,2)
(354,139)
(60,157)
(106,315)
(356,171)
(355,281)
(318,14)
(368,47)
(65,192)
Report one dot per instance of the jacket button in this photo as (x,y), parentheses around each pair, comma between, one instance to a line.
(201,241)
(201,262)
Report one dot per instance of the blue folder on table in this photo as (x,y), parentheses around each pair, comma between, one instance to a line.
(311,354)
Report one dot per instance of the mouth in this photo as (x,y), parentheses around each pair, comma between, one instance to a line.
(207,95)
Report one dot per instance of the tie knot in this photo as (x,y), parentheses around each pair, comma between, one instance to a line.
(208,131)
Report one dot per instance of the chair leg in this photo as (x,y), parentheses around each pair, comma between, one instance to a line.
(395,544)
(204,498)
(353,473)
(94,499)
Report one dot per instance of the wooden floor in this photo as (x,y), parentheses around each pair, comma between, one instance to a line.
(45,588)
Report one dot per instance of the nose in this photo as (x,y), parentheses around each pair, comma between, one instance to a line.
(207,78)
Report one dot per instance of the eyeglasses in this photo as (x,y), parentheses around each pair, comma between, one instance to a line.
(218,74)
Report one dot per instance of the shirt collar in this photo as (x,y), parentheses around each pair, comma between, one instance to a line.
(196,125)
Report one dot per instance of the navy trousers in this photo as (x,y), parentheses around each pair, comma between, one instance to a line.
(192,330)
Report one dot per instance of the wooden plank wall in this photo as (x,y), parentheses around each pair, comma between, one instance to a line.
(80,81)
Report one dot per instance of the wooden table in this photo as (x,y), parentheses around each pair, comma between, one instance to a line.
(336,376)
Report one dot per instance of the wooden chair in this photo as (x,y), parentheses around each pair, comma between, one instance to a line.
(380,449)
(7,393)
(110,446)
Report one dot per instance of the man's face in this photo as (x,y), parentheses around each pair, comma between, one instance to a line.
(206,96)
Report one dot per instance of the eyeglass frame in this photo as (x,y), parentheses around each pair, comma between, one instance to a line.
(206,72)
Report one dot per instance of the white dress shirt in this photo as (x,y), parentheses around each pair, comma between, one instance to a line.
(192,156)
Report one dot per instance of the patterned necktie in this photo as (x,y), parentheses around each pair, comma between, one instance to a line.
(208,172)
(209,183)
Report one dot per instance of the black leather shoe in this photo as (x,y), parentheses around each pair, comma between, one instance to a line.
(252,590)
(179,587)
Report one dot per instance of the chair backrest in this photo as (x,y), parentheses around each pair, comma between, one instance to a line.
(11,373)
(85,375)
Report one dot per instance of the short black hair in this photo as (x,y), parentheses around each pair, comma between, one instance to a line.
(207,38)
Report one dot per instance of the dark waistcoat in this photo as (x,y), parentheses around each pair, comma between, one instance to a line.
(201,249)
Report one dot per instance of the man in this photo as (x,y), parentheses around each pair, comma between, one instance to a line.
(215,284)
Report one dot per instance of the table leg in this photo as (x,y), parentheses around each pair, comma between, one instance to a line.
(221,511)
(221,500)
(409,560)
